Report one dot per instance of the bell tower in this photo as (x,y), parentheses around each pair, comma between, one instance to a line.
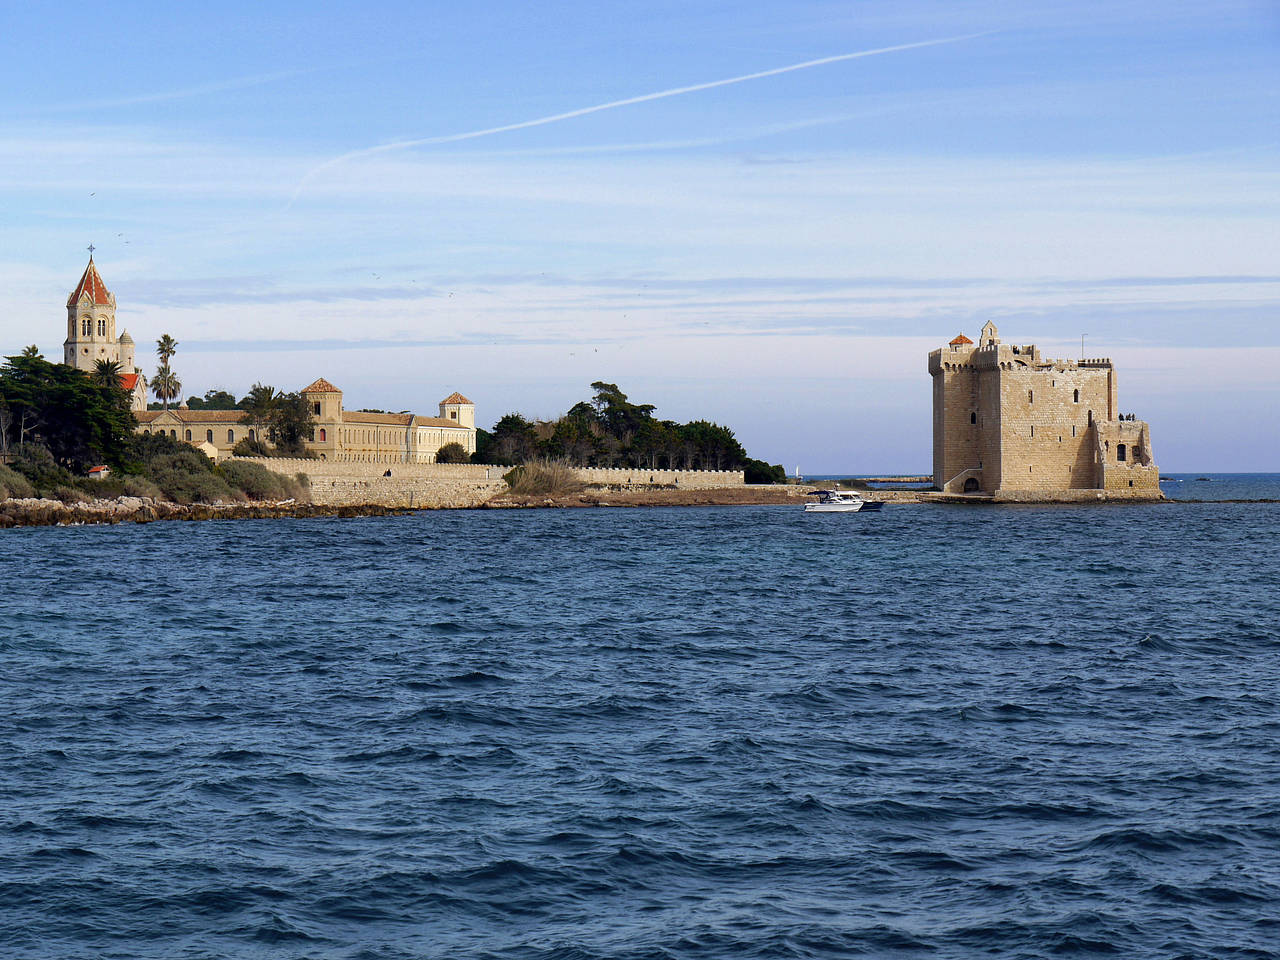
(91,322)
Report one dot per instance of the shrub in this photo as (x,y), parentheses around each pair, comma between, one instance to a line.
(188,477)
(452,453)
(259,483)
(141,487)
(250,448)
(14,484)
(70,494)
(547,478)
(36,463)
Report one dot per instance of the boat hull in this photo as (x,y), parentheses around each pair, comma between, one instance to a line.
(833,507)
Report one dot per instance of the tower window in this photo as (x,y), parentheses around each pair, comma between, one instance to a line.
(1120,452)
(208,435)
(102,327)
(1076,397)
(86,326)
(323,435)
(973,418)
(315,408)
(188,435)
(1031,396)
(231,436)
(1033,430)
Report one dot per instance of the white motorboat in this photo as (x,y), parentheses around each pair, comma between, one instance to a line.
(840,501)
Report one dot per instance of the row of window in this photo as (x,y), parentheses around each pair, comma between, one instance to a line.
(86,327)
(208,435)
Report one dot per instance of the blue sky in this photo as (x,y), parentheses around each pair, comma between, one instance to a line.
(778,254)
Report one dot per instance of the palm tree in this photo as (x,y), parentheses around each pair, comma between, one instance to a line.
(260,404)
(165,385)
(106,373)
(32,351)
(166,347)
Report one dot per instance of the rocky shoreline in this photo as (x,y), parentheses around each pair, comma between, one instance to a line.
(32,512)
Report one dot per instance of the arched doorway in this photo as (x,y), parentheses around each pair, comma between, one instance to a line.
(971,485)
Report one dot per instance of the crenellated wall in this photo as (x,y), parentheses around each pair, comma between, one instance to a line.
(458,484)
(684,479)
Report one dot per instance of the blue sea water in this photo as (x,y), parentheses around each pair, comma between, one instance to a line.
(937,731)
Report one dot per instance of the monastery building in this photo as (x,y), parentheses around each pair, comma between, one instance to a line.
(339,435)
(1008,422)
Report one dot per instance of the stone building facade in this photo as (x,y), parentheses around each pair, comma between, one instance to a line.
(91,335)
(1011,424)
(339,436)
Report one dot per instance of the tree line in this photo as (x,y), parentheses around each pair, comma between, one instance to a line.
(609,430)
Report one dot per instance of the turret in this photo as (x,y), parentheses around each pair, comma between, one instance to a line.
(458,409)
(127,354)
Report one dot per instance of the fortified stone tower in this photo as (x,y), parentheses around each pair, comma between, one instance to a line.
(1007,421)
(458,409)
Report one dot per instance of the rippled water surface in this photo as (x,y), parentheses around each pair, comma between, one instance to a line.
(699,732)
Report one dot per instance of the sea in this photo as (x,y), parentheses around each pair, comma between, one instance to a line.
(698,732)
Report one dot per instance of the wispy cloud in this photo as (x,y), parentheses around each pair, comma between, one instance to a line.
(204,89)
(626,102)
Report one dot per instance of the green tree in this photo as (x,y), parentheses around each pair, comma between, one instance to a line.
(106,373)
(259,403)
(514,440)
(452,453)
(166,347)
(82,423)
(166,385)
(214,400)
(32,351)
(290,424)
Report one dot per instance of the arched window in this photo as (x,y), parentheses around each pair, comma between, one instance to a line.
(973,418)
(1077,397)
(1120,452)
(208,435)
(231,436)
(252,435)
(173,434)
(188,435)
(323,435)
(102,327)
(86,326)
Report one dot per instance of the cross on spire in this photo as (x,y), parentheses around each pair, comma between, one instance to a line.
(91,251)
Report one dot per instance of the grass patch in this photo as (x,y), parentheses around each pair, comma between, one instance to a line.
(544,478)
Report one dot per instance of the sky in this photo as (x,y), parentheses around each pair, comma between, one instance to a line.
(715,205)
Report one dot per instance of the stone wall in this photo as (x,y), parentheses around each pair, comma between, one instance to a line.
(412,492)
(684,479)
(458,484)
(331,468)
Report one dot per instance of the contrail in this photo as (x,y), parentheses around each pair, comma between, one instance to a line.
(614,104)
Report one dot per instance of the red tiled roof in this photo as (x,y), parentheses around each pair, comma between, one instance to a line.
(128,381)
(193,416)
(456,397)
(960,339)
(357,416)
(321,386)
(439,422)
(91,283)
